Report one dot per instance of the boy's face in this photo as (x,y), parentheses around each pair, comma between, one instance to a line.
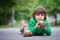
(39,17)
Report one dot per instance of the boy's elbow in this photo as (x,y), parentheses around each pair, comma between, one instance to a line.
(48,34)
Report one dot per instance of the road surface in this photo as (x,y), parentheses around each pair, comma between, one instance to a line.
(14,34)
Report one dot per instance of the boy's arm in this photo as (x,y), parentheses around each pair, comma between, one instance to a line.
(48,29)
(31,25)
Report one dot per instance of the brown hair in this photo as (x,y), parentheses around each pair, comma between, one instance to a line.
(39,10)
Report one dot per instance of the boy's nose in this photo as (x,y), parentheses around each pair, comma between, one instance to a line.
(39,16)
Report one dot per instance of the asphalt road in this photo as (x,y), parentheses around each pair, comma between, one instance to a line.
(14,34)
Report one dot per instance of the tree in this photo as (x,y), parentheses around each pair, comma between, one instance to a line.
(50,5)
(5,5)
(25,9)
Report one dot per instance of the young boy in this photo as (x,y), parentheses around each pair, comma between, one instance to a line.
(38,24)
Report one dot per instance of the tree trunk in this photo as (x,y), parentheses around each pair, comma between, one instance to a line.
(4,22)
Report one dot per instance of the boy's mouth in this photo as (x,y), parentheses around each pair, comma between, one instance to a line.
(39,19)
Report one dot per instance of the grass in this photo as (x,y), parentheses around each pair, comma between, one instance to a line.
(18,25)
(5,26)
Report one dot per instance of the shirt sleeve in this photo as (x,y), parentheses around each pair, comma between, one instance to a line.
(31,25)
(48,28)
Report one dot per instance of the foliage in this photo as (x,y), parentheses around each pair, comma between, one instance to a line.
(25,8)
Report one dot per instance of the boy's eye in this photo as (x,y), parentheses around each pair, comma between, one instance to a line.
(38,15)
(42,15)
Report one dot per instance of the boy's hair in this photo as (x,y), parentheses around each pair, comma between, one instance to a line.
(39,10)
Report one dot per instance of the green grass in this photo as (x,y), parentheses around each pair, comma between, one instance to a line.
(5,26)
(18,25)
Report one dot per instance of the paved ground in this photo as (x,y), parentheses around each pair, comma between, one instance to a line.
(14,34)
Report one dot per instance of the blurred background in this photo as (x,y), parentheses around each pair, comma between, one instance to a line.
(14,13)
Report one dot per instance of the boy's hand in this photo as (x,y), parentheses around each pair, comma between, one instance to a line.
(44,28)
(40,24)
(37,25)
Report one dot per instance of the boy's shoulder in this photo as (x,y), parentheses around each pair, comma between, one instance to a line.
(32,20)
(45,20)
